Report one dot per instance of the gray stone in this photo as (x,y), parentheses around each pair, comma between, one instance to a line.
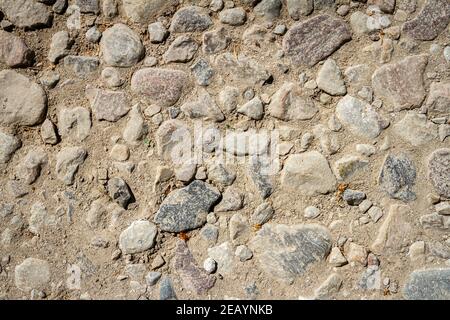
(443,208)
(216,5)
(288,104)
(88,6)
(210,233)
(81,65)
(397,177)
(215,41)
(108,105)
(243,253)
(359,117)
(233,17)
(308,173)
(285,252)
(186,208)
(415,129)
(262,214)
(48,132)
(190,19)
(121,46)
(311,212)
(162,86)
(182,49)
(111,77)
(152,278)
(439,171)
(329,79)
(269,9)
(429,284)
(157,32)
(353,197)
(143,11)
(260,170)
(232,200)
(223,254)
(169,139)
(202,71)
(138,237)
(14,52)
(59,46)
(387,6)
(348,166)
(68,160)
(299,8)
(400,85)
(329,287)
(166,290)
(220,174)
(93,35)
(253,109)
(431,21)
(22,102)
(193,278)
(59,6)
(27,14)
(30,167)
(8,146)
(136,127)
(228,98)
(242,69)
(119,192)
(375,213)
(204,107)
(313,40)
(31,274)
(49,79)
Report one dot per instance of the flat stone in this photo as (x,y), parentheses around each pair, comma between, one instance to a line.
(429,284)
(329,79)
(14,52)
(81,65)
(329,287)
(416,129)
(348,166)
(138,237)
(261,169)
(193,278)
(396,232)
(253,109)
(162,86)
(313,40)
(31,274)
(22,102)
(336,258)
(438,101)
(439,171)
(166,290)
(68,160)
(232,200)
(430,22)
(308,173)
(186,208)
(397,177)
(107,104)
(190,19)
(203,108)
(243,70)
(299,8)
(182,49)
(359,117)
(74,123)
(223,254)
(27,14)
(285,252)
(215,41)
(88,6)
(287,104)
(170,144)
(121,46)
(400,85)
(8,146)
(143,11)
(262,214)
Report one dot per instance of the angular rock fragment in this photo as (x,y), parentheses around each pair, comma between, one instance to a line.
(138,237)
(204,107)
(439,171)
(428,284)
(74,123)
(438,101)
(398,177)
(182,49)
(107,104)
(32,274)
(186,208)
(8,146)
(68,160)
(313,40)
(120,192)
(171,142)
(285,252)
(415,129)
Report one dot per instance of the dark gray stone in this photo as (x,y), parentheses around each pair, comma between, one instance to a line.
(119,192)
(397,177)
(313,40)
(353,197)
(431,21)
(215,41)
(186,208)
(202,72)
(431,284)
